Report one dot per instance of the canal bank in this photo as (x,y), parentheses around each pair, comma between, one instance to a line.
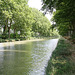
(18,42)
(62,61)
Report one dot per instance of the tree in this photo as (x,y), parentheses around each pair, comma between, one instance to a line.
(41,24)
(15,14)
(64,13)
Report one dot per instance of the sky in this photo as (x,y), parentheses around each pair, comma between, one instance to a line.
(35,4)
(38,4)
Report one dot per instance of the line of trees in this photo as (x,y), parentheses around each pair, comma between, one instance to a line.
(19,20)
(64,15)
(15,15)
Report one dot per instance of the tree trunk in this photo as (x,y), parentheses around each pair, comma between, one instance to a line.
(73,23)
(14,32)
(9,29)
(5,27)
(70,29)
(74,29)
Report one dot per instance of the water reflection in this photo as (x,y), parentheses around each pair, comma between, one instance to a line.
(26,59)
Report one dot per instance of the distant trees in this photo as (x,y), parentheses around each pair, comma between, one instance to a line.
(64,15)
(41,24)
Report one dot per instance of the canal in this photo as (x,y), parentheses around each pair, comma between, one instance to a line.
(29,58)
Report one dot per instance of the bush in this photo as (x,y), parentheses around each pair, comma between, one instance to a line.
(4,36)
(17,39)
(2,40)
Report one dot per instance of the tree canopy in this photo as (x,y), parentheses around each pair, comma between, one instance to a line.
(41,24)
(64,15)
(15,14)
(19,20)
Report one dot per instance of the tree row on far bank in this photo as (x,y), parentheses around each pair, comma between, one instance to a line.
(19,20)
(41,24)
(64,15)
(15,15)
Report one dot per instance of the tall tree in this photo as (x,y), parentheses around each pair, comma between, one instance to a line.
(15,14)
(64,12)
(41,24)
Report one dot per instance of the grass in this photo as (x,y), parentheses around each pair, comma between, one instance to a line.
(60,62)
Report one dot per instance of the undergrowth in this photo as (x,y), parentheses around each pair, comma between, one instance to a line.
(59,63)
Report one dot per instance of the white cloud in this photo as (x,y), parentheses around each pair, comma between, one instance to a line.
(38,5)
(35,4)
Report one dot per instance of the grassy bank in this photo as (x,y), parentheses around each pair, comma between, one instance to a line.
(18,39)
(22,39)
(62,61)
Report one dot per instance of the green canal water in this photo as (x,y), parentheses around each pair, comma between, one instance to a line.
(29,58)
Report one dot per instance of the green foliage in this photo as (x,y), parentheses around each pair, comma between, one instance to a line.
(17,16)
(18,13)
(41,24)
(64,15)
